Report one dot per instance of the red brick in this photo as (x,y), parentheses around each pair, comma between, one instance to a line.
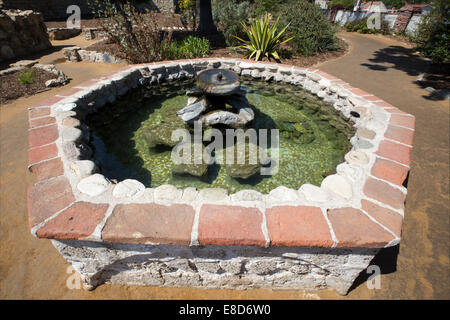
(49,101)
(400,134)
(384,104)
(69,92)
(407,121)
(384,193)
(34,123)
(298,226)
(359,92)
(140,223)
(388,218)
(326,75)
(77,221)
(38,112)
(390,171)
(42,153)
(371,98)
(394,110)
(230,225)
(41,136)
(394,151)
(48,197)
(354,229)
(48,169)
(88,83)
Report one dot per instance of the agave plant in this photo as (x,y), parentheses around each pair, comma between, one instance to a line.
(263,39)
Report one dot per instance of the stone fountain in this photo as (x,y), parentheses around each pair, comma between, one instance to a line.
(217,99)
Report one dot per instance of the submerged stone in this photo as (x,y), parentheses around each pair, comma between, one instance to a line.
(196,165)
(246,160)
(161,134)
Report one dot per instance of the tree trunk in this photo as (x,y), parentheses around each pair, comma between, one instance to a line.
(206,25)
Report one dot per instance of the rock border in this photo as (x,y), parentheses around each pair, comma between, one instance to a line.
(362,206)
(76,54)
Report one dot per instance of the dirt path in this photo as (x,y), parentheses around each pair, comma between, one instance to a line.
(388,69)
(32,269)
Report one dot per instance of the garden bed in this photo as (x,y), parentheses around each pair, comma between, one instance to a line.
(299,61)
(11,88)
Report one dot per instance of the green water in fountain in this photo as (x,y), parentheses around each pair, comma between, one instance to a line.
(313,137)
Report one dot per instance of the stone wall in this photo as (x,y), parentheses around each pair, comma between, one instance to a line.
(399,21)
(56,9)
(21,33)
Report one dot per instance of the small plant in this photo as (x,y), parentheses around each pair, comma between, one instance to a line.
(194,47)
(189,48)
(264,39)
(26,76)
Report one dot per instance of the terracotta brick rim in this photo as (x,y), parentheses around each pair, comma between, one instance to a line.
(367,214)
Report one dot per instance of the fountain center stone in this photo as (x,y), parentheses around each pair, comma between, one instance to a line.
(215,89)
(218,82)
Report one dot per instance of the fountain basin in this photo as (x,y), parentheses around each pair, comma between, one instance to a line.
(307,238)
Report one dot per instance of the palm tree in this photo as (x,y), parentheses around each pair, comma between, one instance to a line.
(206,25)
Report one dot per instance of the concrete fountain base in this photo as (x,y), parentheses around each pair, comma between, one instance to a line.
(220,267)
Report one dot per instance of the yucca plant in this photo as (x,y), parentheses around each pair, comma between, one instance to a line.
(264,39)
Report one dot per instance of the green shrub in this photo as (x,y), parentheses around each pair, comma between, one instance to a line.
(194,47)
(26,76)
(189,48)
(228,15)
(268,6)
(264,39)
(360,26)
(433,32)
(309,26)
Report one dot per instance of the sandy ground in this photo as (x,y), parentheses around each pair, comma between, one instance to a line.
(31,268)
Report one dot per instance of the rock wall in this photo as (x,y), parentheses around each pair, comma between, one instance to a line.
(218,267)
(400,21)
(56,9)
(21,33)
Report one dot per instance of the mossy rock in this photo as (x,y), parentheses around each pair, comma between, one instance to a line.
(196,170)
(247,161)
(198,164)
(161,133)
(300,132)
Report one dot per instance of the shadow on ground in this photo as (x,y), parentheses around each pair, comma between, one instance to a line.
(34,56)
(408,61)
(386,260)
